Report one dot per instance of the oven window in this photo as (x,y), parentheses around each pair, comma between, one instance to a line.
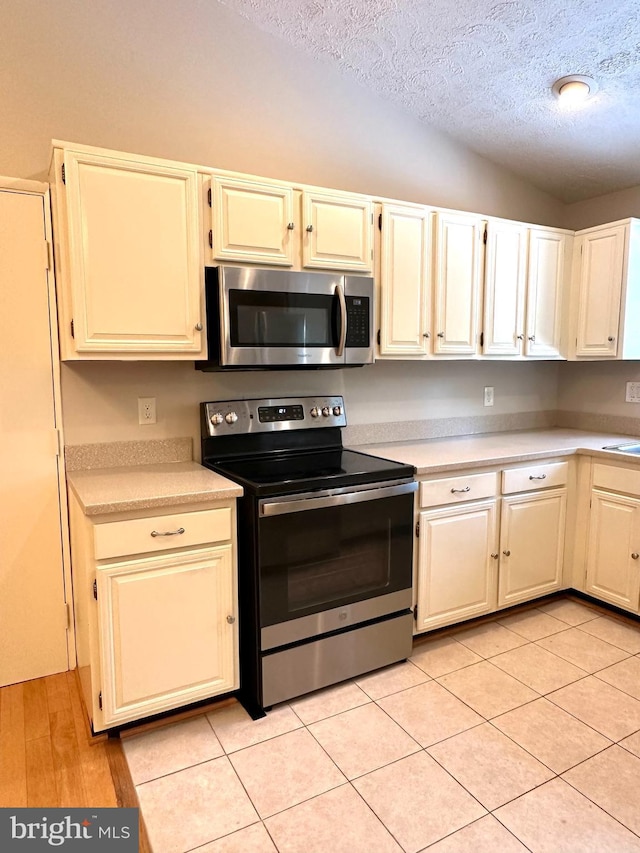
(319,559)
(265,318)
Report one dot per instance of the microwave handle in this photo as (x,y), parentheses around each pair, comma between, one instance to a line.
(339,292)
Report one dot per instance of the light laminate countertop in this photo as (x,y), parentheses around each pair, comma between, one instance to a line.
(135,487)
(435,455)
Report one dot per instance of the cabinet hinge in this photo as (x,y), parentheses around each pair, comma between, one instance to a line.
(380,222)
(372,218)
(68,614)
(95,589)
(211,239)
(47,255)
(418,529)
(415,613)
(378,337)
(100,700)
(484,238)
(481,339)
(209,196)
(64,176)
(73,331)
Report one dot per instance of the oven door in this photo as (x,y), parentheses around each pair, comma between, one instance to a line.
(331,561)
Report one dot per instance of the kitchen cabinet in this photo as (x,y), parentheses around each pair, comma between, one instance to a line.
(128,256)
(504,288)
(532,531)
(613,562)
(405,280)
(253,222)
(606,301)
(548,279)
(457,549)
(458,269)
(256,221)
(156,610)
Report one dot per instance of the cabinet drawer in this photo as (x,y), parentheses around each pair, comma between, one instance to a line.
(531,477)
(626,480)
(157,533)
(452,490)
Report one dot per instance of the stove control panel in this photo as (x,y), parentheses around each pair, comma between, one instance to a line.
(237,417)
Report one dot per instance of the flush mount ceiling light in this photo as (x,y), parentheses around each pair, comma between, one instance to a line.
(575,88)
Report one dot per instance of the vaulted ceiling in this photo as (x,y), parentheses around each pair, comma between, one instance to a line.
(482,72)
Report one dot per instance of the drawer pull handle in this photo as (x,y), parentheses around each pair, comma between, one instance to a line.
(507,553)
(495,556)
(539,477)
(459,491)
(177,532)
(635,555)
(291,226)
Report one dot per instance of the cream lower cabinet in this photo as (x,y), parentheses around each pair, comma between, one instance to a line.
(157,623)
(457,549)
(613,556)
(532,531)
(128,255)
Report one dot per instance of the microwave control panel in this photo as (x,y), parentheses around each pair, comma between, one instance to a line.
(358,330)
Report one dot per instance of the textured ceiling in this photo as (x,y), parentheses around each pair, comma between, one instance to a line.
(482,72)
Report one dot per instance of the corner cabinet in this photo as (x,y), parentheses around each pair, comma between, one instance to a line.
(128,256)
(156,610)
(607,291)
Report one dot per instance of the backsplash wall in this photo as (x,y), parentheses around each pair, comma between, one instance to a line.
(100,398)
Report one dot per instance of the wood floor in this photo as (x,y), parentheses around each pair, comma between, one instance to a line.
(47,754)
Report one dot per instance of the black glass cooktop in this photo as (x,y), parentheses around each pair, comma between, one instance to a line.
(285,473)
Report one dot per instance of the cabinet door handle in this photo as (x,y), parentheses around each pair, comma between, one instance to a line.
(231,619)
(610,339)
(532,338)
(198,327)
(507,553)
(520,337)
(495,556)
(441,334)
(635,555)
(426,335)
(539,477)
(309,228)
(177,532)
(460,491)
(291,226)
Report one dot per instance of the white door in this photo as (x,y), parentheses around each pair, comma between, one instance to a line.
(33,621)
(338,231)
(405,267)
(531,545)
(613,573)
(457,560)
(504,283)
(546,281)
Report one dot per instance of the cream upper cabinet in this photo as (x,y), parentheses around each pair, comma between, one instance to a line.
(253,222)
(128,256)
(504,288)
(337,231)
(548,270)
(607,285)
(405,280)
(458,266)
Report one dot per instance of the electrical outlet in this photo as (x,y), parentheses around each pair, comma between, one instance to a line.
(488,395)
(633,392)
(146,410)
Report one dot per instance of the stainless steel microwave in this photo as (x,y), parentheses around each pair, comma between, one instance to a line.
(278,319)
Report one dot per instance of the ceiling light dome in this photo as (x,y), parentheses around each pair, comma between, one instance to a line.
(575,88)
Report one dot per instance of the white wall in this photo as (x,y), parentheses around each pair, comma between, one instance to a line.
(606,208)
(598,388)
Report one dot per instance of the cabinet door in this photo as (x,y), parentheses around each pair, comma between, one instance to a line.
(253,222)
(547,272)
(337,231)
(504,283)
(531,544)
(134,255)
(405,281)
(457,278)
(600,288)
(164,636)
(614,536)
(456,566)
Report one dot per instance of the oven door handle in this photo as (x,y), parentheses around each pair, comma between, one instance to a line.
(304,503)
(342,302)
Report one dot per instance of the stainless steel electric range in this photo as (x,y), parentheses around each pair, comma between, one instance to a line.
(325,539)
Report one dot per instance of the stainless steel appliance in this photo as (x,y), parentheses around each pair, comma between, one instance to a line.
(266,319)
(325,539)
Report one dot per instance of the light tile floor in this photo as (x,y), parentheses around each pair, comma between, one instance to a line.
(522,733)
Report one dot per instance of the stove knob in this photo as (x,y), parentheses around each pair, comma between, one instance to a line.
(231,417)
(216,419)
(337,410)
(315,412)
(326,411)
